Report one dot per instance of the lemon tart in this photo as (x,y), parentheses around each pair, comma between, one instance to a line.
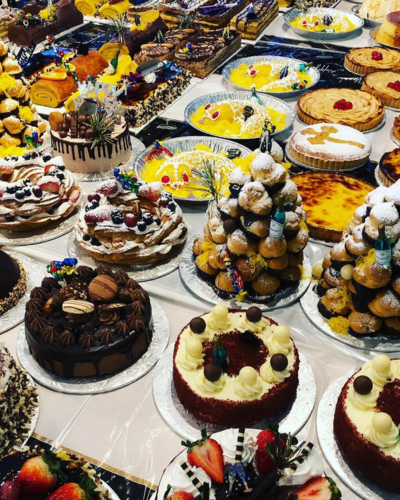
(385,85)
(330,147)
(355,108)
(365,60)
(389,167)
(329,201)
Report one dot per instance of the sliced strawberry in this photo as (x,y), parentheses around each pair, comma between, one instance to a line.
(38,475)
(49,184)
(318,488)
(99,214)
(108,188)
(48,167)
(74,196)
(265,463)
(207,454)
(181,495)
(151,191)
(10,490)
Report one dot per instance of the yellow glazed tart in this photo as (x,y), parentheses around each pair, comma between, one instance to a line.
(389,32)
(389,167)
(367,60)
(329,201)
(267,76)
(241,119)
(330,147)
(396,128)
(355,108)
(317,21)
(385,85)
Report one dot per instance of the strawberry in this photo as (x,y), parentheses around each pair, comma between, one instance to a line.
(97,215)
(108,188)
(74,196)
(73,491)
(39,475)
(151,191)
(10,491)
(181,495)
(207,454)
(318,488)
(48,167)
(265,463)
(6,169)
(49,184)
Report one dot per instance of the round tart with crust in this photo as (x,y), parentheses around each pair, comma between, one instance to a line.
(385,85)
(355,108)
(396,128)
(365,60)
(389,167)
(330,147)
(330,200)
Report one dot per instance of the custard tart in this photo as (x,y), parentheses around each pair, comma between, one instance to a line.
(365,60)
(329,201)
(355,108)
(385,85)
(389,167)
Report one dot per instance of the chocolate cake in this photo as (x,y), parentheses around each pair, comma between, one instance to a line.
(366,421)
(18,403)
(12,282)
(95,323)
(234,367)
(64,17)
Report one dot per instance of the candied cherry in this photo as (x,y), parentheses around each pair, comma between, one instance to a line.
(376,55)
(343,105)
(394,85)
(165,179)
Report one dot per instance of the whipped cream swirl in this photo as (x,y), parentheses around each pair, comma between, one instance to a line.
(218,325)
(279,347)
(382,440)
(378,378)
(228,439)
(203,337)
(179,481)
(363,402)
(189,362)
(271,376)
(210,387)
(247,390)
(246,325)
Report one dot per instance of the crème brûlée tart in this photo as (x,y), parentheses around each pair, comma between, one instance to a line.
(366,422)
(330,200)
(365,60)
(389,32)
(384,85)
(396,128)
(354,108)
(235,367)
(329,147)
(389,167)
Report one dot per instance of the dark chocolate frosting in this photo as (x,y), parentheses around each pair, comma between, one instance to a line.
(9,274)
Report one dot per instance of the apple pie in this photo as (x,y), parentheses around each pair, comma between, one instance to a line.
(367,60)
(385,85)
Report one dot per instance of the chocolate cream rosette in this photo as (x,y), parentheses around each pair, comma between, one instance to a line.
(36,191)
(359,279)
(245,251)
(129,222)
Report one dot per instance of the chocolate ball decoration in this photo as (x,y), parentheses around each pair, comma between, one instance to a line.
(212,372)
(127,295)
(198,325)
(89,134)
(363,385)
(82,134)
(279,362)
(83,118)
(254,314)
(63,134)
(230,225)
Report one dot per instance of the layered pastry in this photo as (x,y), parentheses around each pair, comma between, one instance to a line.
(272,76)
(225,370)
(8,16)
(254,18)
(243,252)
(144,29)
(114,8)
(389,32)
(128,222)
(164,46)
(19,402)
(239,119)
(38,192)
(86,147)
(13,282)
(146,96)
(85,322)
(138,6)
(355,108)
(57,82)
(172,11)
(208,51)
(236,463)
(367,60)
(217,14)
(320,191)
(52,474)
(358,292)
(366,423)
(385,85)
(322,20)
(377,10)
(21,128)
(330,147)
(50,20)
(389,166)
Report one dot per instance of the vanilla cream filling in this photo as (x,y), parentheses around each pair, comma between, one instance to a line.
(232,389)
(360,409)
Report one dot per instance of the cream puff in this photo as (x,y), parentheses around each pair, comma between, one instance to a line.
(255,199)
(364,323)
(271,248)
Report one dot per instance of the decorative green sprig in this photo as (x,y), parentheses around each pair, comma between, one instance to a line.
(210,182)
(102,126)
(120,25)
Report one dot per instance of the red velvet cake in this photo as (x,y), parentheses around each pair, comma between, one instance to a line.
(367,419)
(234,367)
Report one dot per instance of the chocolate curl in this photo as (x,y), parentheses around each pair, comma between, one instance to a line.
(190,474)
(303,454)
(239,445)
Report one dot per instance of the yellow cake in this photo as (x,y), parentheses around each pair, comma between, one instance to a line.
(389,32)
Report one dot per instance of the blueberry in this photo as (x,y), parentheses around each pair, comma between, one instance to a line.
(26,182)
(61,167)
(26,156)
(172,206)
(20,195)
(157,221)
(117,216)
(141,226)
(14,158)
(60,176)
(95,203)
(148,219)
(26,217)
(11,189)
(86,237)
(27,192)
(89,207)
(46,158)
(50,212)
(37,191)
(95,242)
(10,218)
(52,172)
(7,158)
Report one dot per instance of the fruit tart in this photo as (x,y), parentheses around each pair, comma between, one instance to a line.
(355,108)
(367,60)
(385,85)
(389,167)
